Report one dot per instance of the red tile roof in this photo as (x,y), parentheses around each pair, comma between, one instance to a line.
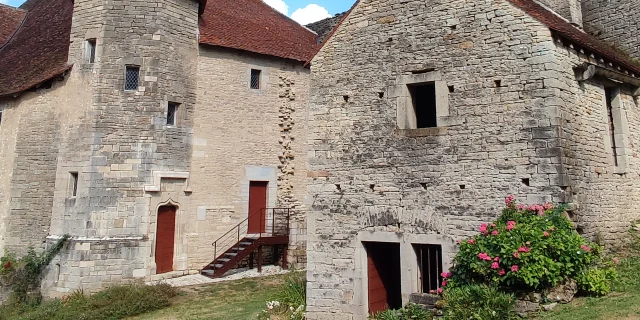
(252,25)
(575,35)
(39,48)
(10,22)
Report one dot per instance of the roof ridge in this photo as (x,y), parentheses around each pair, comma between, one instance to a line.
(13,8)
(344,17)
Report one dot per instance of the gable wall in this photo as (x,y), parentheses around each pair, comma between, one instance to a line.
(493,138)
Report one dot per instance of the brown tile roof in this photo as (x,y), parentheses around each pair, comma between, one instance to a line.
(10,20)
(39,48)
(575,35)
(252,25)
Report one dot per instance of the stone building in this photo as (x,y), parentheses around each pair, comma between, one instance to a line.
(425,115)
(146,130)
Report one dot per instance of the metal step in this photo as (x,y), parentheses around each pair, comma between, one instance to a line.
(245,243)
(224,260)
(231,254)
(208,272)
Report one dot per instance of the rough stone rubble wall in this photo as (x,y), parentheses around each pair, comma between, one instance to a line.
(615,22)
(243,134)
(368,177)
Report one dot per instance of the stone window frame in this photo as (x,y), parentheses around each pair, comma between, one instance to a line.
(74,180)
(90,50)
(621,131)
(408,262)
(405,113)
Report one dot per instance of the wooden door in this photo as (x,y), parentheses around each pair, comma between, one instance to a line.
(165,238)
(257,206)
(377,291)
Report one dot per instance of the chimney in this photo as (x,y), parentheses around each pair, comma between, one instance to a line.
(568,9)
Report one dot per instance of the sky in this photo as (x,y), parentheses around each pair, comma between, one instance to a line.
(303,11)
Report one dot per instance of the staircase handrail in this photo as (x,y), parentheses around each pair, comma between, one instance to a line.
(237,226)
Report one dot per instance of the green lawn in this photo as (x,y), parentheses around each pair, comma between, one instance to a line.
(232,300)
(624,303)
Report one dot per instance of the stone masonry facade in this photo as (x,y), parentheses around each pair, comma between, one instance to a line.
(512,118)
(129,161)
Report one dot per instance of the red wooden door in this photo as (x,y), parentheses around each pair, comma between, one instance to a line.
(377,291)
(165,238)
(257,206)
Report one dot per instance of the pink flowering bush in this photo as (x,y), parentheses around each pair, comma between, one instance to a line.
(528,248)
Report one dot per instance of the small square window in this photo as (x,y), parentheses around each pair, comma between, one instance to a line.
(91,50)
(423,98)
(172,114)
(132,78)
(73,184)
(255,78)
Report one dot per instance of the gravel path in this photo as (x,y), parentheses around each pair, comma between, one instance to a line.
(197,279)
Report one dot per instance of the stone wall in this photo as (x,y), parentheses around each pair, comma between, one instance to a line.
(437,184)
(571,10)
(615,22)
(243,134)
(605,197)
(124,150)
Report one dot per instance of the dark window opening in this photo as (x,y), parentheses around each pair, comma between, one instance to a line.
(612,129)
(372,187)
(255,78)
(132,78)
(498,83)
(383,273)
(91,50)
(462,187)
(429,266)
(423,97)
(452,89)
(346,98)
(424,186)
(526,182)
(380,95)
(172,114)
(73,183)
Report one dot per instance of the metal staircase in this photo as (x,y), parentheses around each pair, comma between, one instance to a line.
(244,239)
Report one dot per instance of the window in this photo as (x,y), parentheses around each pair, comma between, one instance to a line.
(132,77)
(422,101)
(91,50)
(608,92)
(73,184)
(423,98)
(255,78)
(429,266)
(0,117)
(172,114)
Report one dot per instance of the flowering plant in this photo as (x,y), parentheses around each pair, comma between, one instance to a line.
(528,248)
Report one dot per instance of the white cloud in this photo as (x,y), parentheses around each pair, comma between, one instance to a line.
(309,14)
(4,1)
(279,5)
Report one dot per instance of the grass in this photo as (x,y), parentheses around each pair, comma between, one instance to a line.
(623,303)
(233,300)
(113,303)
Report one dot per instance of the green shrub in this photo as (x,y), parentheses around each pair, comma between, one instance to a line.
(478,302)
(411,311)
(596,281)
(527,248)
(113,303)
(23,275)
(291,300)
